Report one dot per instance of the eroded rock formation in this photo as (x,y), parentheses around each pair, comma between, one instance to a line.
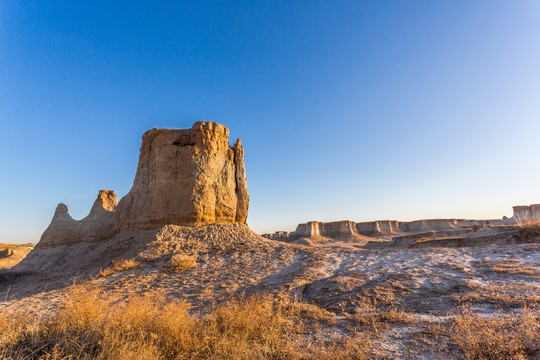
(6,253)
(399,232)
(98,225)
(526,214)
(342,230)
(186,177)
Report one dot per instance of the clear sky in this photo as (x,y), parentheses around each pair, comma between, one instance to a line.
(358,110)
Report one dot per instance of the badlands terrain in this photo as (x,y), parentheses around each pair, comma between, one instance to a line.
(174,272)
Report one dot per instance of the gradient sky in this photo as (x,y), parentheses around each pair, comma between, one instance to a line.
(357,110)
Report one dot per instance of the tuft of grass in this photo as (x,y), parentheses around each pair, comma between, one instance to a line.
(513,266)
(150,255)
(511,336)
(530,230)
(182,262)
(93,324)
(117,266)
(389,316)
(506,294)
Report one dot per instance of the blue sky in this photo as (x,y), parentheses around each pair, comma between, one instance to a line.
(357,110)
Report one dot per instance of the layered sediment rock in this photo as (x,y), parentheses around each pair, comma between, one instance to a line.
(186,177)
(377,228)
(399,231)
(526,214)
(278,235)
(340,230)
(98,225)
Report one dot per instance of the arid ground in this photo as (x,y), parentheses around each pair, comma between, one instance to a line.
(221,291)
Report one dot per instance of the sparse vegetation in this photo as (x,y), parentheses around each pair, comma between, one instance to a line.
(118,265)
(387,304)
(530,230)
(499,336)
(513,266)
(390,316)
(181,262)
(509,294)
(92,324)
(150,255)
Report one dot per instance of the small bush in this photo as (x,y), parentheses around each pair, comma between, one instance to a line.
(530,230)
(511,336)
(390,316)
(513,266)
(91,324)
(119,265)
(505,294)
(182,262)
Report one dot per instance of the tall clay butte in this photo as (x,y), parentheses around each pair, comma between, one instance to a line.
(186,177)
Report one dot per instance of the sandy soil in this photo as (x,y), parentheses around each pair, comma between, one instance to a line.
(17,254)
(430,284)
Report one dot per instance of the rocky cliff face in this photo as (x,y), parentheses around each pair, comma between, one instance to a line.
(340,230)
(376,231)
(98,225)
(526,214)
(186,177)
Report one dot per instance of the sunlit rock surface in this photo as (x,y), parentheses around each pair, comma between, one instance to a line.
(186,177)
(98,225)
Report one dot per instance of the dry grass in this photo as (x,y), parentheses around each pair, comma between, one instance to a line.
(378,320)
(507,294)
(150,255)
(182,262)
(510,336)
(383,319)
(507,266)
(119,265)
(93,325)
(512,266)
(469,335)
(530,228)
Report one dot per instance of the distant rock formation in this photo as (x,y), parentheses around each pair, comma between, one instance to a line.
(377,231)
(186,177)
(6,253)
(527,214)
(98,225)
(340,230)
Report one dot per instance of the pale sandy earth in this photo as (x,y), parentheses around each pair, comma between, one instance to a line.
(432,283)
(19,252)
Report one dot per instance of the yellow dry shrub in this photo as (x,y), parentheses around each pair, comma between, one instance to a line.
(391,316)
(513,266)
(510,336)
(91,324)
(181,262)
(119,265)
